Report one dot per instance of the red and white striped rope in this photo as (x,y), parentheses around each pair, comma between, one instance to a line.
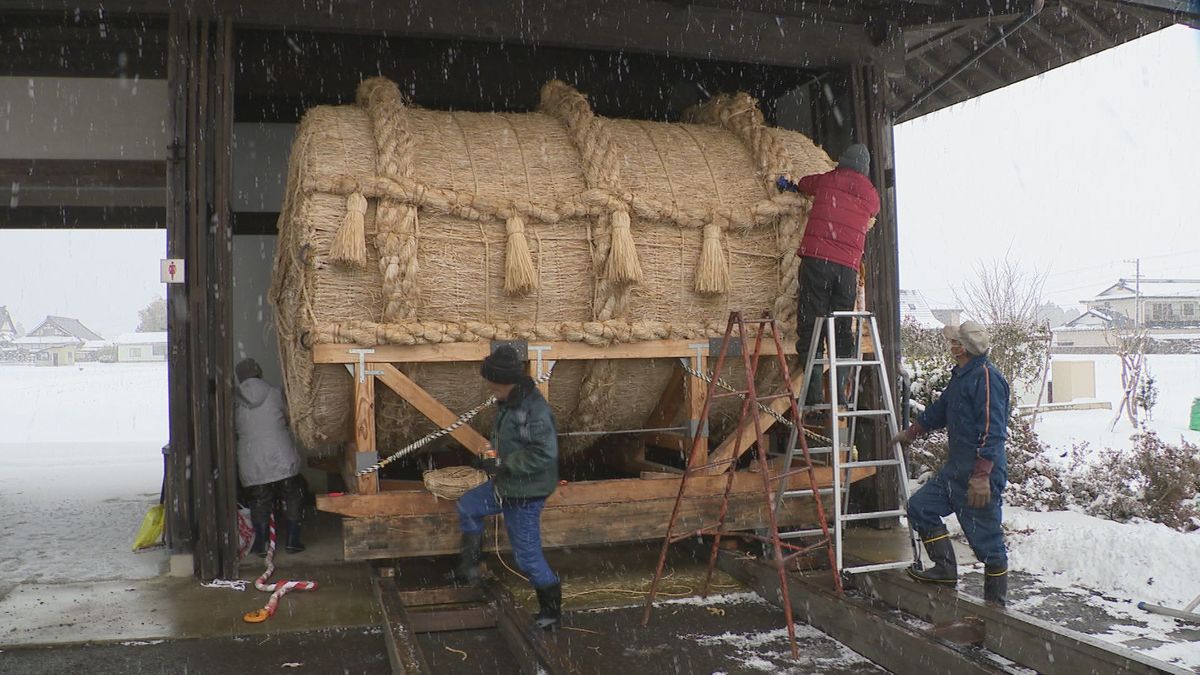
(277,589)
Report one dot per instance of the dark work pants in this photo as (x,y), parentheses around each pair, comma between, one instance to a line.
(522,519)
(263,497)
(825,287)
(942,496)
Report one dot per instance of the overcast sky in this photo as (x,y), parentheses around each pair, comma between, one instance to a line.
(1072,173)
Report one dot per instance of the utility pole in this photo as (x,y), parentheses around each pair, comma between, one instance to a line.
(1137,292)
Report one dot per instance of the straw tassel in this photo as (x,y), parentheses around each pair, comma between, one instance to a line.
(623,264)
(519,274)
(350,242)
(712,275)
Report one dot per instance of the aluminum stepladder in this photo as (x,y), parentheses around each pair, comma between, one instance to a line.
(824,329)
(751,405)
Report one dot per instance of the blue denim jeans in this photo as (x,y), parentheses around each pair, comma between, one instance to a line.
(940,497)
(522,520)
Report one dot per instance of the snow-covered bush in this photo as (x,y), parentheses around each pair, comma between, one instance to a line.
(1033,480)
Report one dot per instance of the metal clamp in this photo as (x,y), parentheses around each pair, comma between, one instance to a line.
(362,364)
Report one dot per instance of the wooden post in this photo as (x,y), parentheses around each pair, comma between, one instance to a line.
(874,124)
(364,434)
(697,391)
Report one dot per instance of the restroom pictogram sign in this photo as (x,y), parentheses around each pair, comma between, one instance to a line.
(171,271)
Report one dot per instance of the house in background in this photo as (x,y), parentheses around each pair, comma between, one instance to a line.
(1169,309)
(137,347)
(55,341)
(102,351)
(916,308)
(8,329)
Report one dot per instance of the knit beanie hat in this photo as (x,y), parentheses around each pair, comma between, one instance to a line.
(973,337)
(246,369)
(503,366)
(856,157)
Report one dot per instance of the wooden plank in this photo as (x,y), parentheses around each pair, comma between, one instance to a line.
(459,618)
(364,434)
(441,595)
(580,493)
(477,351)
(697,392)
(83,173)
(1040,645)
(428,534)
(743,437)
(402,649)
(536,650)
(429,406)
(869,630)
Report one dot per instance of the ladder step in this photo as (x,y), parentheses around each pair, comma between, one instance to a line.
(849,362)
(727,394)
(846,313)
(772,397)
(807,493)
(877,567)
(868,462)
(797,534)
(861,413)
(849,517)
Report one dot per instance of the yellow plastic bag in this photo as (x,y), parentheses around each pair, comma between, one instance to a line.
(151,531)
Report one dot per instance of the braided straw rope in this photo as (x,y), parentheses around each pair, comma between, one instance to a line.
(453,482)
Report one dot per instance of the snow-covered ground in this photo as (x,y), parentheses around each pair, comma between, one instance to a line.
(80,463)
(1178,379)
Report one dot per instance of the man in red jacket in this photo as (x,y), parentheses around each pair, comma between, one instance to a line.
(844,202)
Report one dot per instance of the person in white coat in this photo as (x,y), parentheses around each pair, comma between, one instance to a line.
(268,464)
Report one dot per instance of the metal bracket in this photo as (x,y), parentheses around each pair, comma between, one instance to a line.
(365,460)
(539,350)
(702,349)
(714,347)
(522,347)
(362,365)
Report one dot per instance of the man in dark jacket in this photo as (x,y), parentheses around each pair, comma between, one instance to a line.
(268,464)
(844,202)
(974,411)
(523,474)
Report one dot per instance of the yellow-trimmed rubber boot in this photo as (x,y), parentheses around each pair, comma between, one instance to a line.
(941,554)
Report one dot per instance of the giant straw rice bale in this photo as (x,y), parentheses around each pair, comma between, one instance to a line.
(410,226)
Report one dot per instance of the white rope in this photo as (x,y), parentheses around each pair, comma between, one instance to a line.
(444,431)
(231,584)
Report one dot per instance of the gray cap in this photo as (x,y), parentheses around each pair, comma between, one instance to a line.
(973,337)
(856,157)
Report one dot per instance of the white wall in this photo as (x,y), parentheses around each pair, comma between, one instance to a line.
(253,319)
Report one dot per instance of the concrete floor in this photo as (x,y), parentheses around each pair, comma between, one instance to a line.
(51,627)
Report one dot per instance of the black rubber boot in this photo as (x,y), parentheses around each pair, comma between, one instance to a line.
(470,553)
(995,585)
(941,554)
(261,533)
(293,537)
(549,614)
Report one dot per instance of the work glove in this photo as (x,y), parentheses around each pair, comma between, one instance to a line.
(488,465)
(785,185)
(979,492)
(979,487)
(906,437)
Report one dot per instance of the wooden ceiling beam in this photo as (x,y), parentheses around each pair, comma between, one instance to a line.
(1082,18)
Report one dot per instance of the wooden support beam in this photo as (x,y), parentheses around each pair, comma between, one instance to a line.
(364,436)
(697,392)
(447,619)
(84,217)
(429,406)
(477,351)
(537,651)
(743,437)
(83,173)
(870,630)
(441,595)
(401,639)
(1087,22)
(665,439)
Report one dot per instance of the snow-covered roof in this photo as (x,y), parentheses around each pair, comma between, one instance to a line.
(92,345)
(141,338)
(1127,289)
(914,307)
(46,340)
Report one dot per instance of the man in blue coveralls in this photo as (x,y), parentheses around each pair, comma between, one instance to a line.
(974,411)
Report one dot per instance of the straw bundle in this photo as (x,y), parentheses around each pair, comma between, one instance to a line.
(453,482)
(411,226)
